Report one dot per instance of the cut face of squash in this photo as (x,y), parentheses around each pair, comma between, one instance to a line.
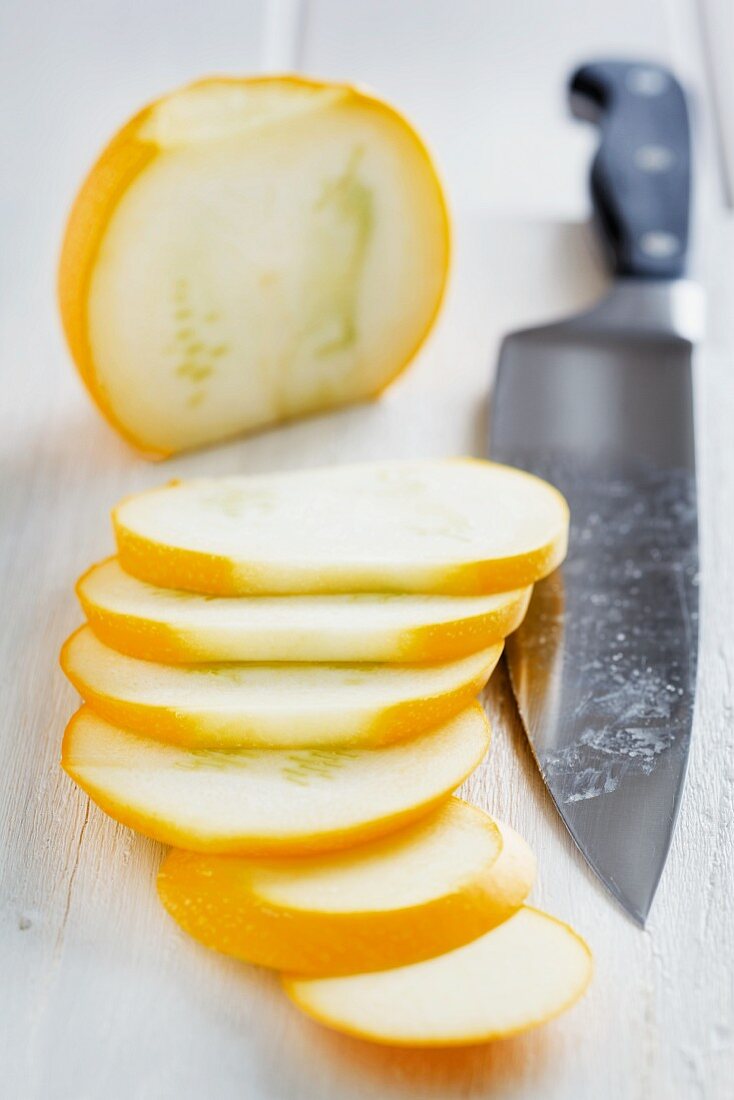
(460,527)
(257,801)
(519,975)
(422,891)
(246,251)
(173,626)
(272,706)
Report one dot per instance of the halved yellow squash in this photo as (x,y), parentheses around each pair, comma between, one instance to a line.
(249,250)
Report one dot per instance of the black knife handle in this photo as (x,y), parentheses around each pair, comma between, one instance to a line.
(641,174)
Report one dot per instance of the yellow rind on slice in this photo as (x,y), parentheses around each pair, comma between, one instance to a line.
(314,285)
(277,801)
(419,892)
(176,627)
(460,527)
(518,976)
(272,706)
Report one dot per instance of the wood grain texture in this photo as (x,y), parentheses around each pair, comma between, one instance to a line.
(716,18)
(101,995)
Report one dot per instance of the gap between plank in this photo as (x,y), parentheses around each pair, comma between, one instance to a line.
(723,162)
(284,35)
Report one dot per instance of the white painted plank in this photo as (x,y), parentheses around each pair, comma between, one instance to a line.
(122,1002)
(69,75)
(102,996)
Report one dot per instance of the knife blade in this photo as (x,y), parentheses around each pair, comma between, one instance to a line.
(604,667)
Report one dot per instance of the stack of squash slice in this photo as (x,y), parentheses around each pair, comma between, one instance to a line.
(279,675)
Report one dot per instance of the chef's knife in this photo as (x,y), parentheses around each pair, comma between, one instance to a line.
(604,668)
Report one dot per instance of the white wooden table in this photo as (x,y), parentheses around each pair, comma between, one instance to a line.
(100,995)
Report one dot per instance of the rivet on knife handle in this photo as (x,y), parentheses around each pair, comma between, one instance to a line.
(640,178)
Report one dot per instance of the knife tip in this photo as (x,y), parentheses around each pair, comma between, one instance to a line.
(640,919)
(637,913)
(634,901)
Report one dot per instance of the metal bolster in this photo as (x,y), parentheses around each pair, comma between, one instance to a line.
(658,307)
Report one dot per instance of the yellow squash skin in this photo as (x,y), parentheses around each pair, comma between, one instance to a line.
(127,156)
(169,832)
(194,571)
(217,575)
(216,900)
(188,729)
(158,641)
(294,983)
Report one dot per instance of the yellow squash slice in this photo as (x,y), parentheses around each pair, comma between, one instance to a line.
(173,626)
(256,801)
(417,893)
(246,251)
(272,706)
(519,975)
(459,526)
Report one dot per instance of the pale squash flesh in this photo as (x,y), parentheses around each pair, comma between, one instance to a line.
(178,627)
(516,977)
(272,705)
(246,251)
(463,527)
(260,801)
